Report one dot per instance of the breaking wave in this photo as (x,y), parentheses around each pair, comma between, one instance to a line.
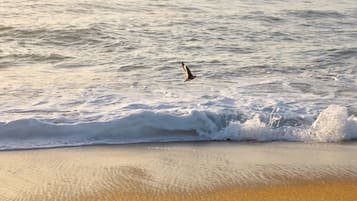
(332,125)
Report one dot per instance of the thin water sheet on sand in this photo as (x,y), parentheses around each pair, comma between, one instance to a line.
(182,171)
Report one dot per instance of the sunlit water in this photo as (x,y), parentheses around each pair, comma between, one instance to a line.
(87,72)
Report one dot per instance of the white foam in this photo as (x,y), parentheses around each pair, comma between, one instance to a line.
(332,125)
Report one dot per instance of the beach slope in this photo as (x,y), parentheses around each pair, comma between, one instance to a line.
(182,171)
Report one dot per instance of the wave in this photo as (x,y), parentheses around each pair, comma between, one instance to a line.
(316,14)
(33,58)
(332,125)
(88,36)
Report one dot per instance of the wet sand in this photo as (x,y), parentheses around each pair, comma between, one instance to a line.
(321,190)
(182,171)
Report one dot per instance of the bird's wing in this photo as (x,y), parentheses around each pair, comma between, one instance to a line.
(184,68)
(187,75)
(188,72)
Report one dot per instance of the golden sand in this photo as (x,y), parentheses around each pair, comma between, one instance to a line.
(330,190)
(182,171)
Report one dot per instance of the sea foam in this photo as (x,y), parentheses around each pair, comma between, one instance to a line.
(331,125)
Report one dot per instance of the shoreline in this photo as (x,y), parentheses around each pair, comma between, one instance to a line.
(179,171)
(170,143)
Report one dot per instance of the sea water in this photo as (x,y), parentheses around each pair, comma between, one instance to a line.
(109,72)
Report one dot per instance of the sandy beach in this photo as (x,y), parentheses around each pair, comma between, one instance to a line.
(181,171)
(322,190)
(123,100)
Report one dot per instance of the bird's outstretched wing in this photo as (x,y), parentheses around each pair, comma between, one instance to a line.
(188,74)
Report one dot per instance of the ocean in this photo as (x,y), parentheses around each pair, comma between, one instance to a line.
(76,73)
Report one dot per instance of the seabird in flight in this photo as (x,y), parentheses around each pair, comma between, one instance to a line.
(188,74)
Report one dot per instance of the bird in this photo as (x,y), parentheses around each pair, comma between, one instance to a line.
(188,74)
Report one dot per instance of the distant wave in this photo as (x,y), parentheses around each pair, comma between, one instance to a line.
(332,125)
(316,14)
(92,35)
(33,58)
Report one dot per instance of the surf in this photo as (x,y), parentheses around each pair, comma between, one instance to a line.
(332,125)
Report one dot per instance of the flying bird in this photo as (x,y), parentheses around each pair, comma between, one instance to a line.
(188,74)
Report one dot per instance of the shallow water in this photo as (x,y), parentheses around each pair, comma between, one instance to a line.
(67,67)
